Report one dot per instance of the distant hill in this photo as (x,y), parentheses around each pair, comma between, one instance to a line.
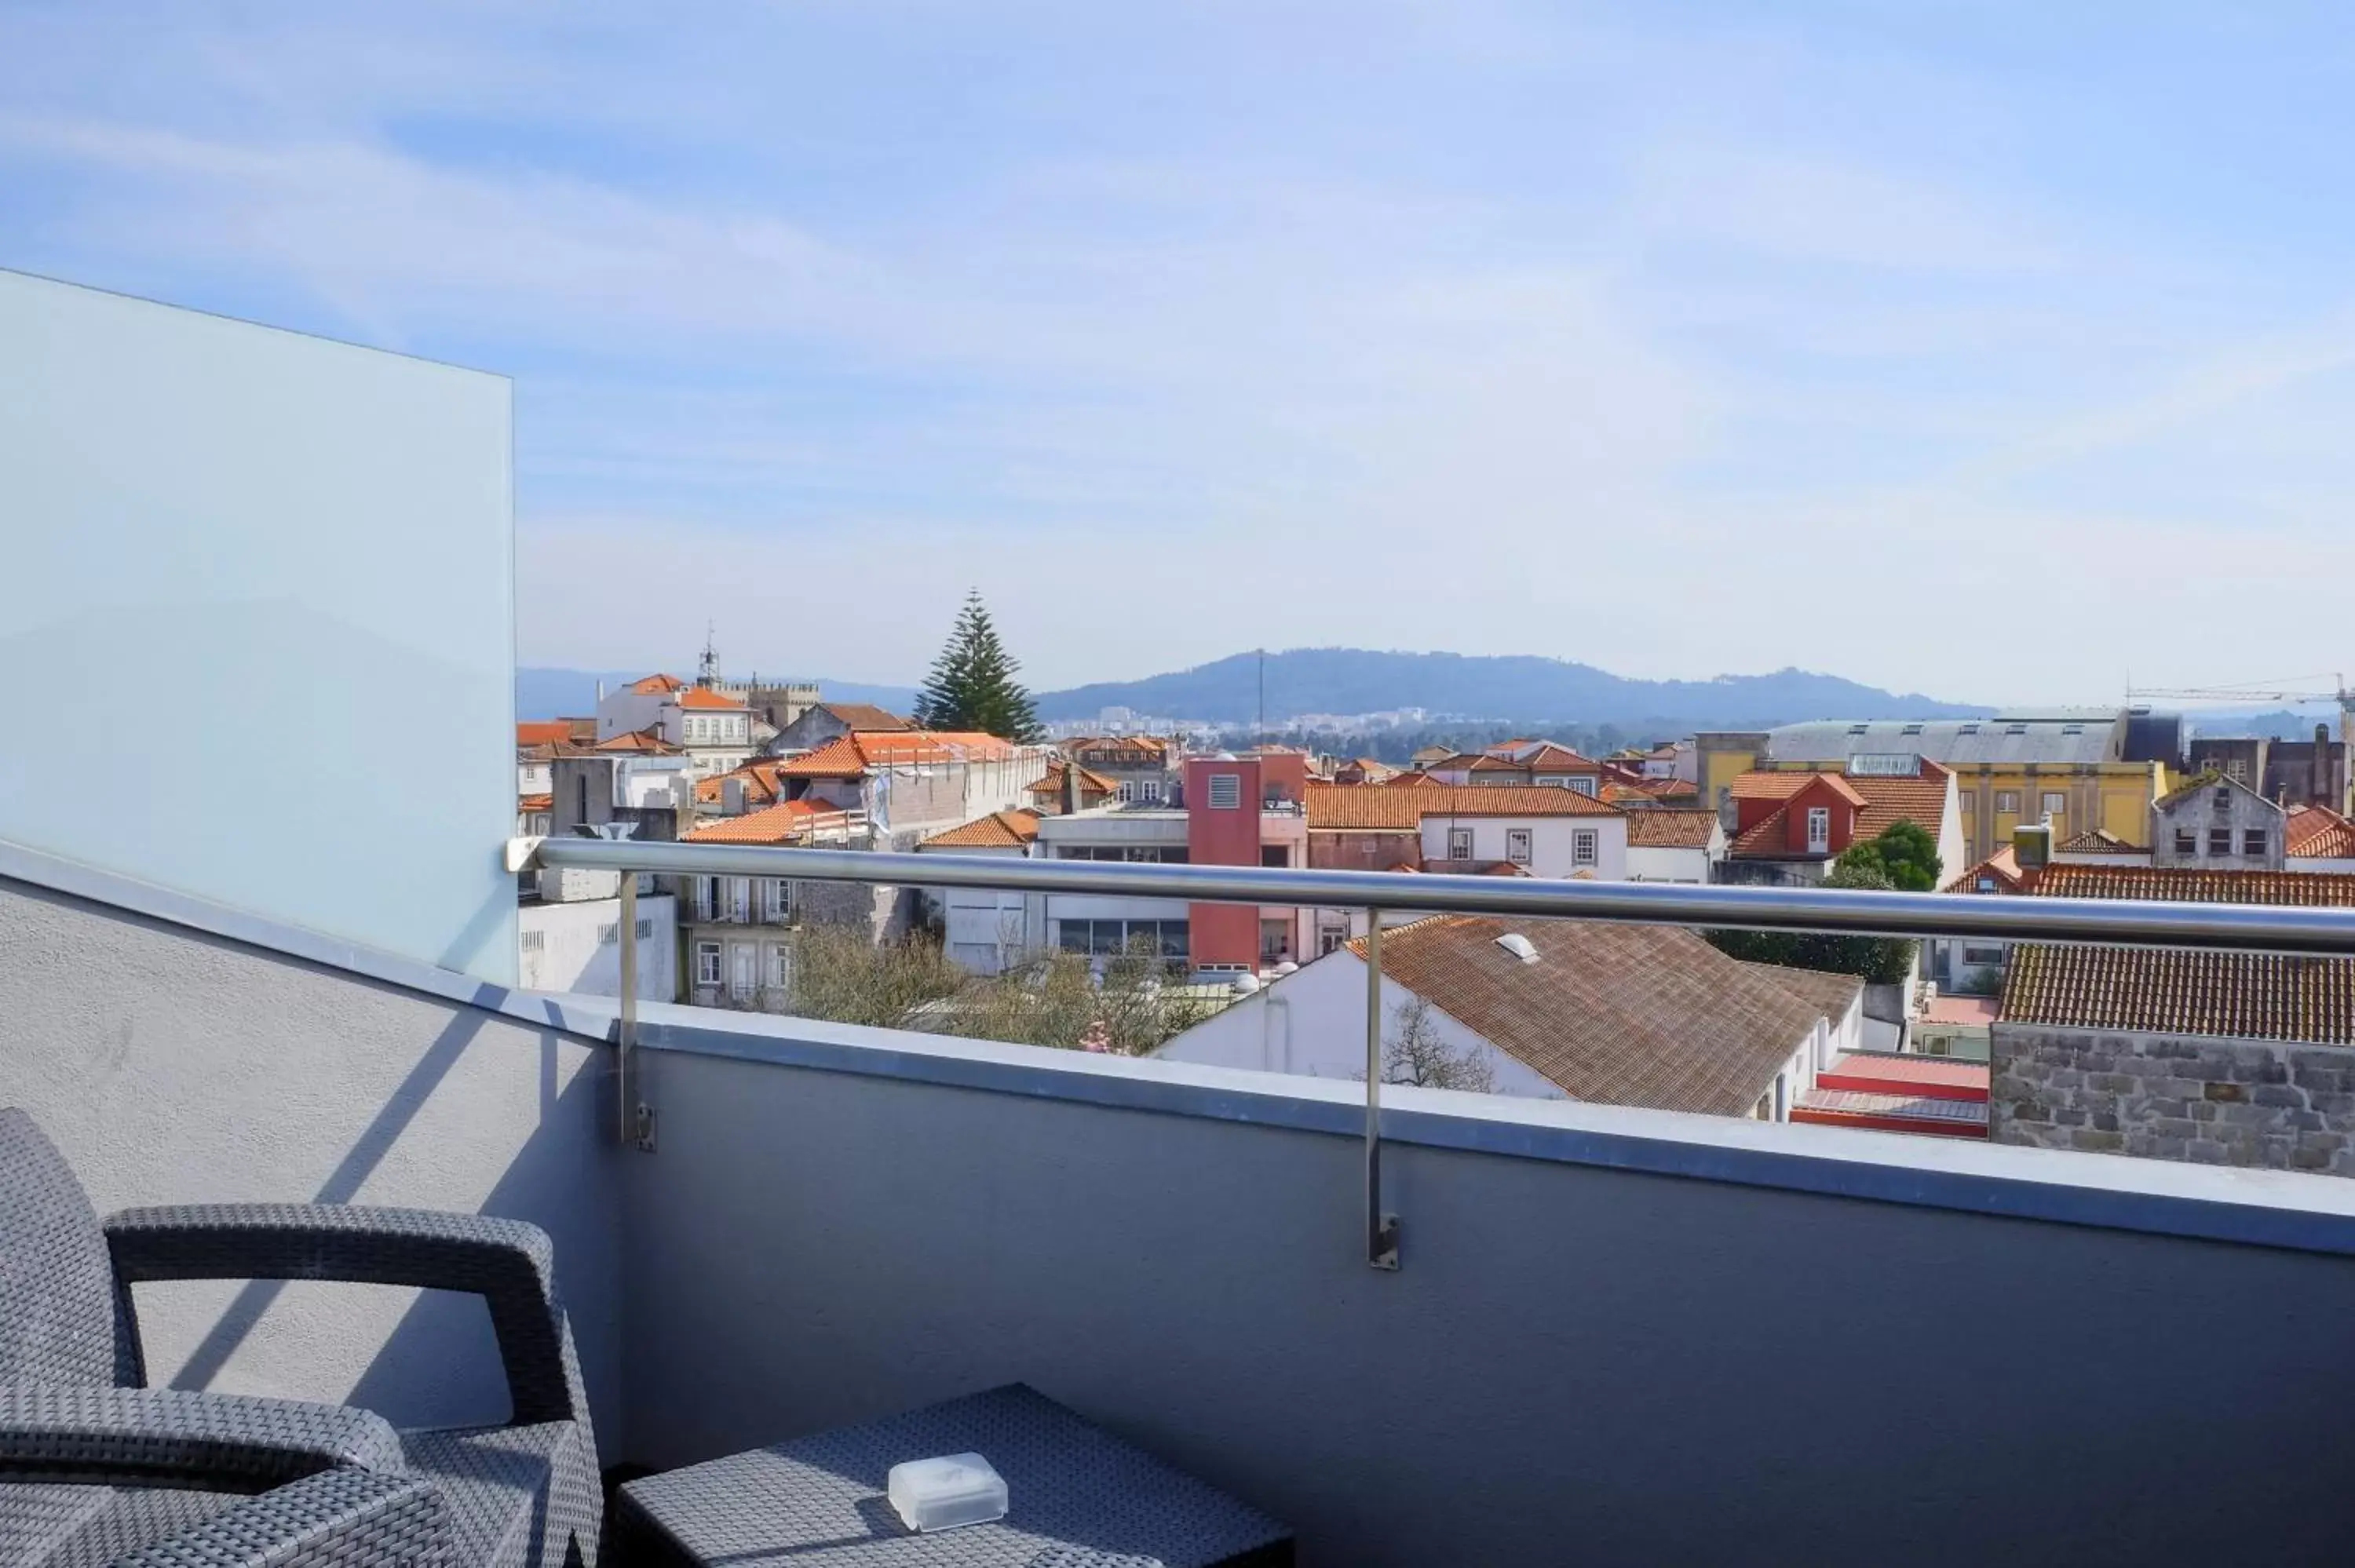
(1518,687)
(544,694)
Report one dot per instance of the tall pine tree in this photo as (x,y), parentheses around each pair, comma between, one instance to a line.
(971,685)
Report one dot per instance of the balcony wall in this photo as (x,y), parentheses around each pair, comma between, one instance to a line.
(1617,1336)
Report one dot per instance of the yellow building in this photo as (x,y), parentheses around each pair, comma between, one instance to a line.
(2071,765)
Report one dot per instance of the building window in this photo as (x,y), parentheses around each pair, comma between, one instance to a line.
(739,899)
(1226,792)
(1967,800)
(2186,842)
(609,933)
(2223,800)
(1124,791)
(1459,843)
(1819,828)
(535,941)
(1517,845)
(1982,957)
(707,963)
(2007,802)
(2252,843)
(1274,854)
(777,965)
(2237,771)
(580,797)
(645,931)
(1583,846)
(743,978)
(2055,804)
(2219,840)
(1149,791)
(1274,941)
(1582,784)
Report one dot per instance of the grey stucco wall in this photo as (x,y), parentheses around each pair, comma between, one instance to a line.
(173,1066)
(2215,1102)
(1576,1363)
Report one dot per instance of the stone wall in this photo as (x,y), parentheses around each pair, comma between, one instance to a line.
(2217,1102)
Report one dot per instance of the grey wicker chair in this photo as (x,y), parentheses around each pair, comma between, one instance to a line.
(521,1495)
(93,1475)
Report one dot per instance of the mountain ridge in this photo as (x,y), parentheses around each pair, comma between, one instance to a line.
(1349,680)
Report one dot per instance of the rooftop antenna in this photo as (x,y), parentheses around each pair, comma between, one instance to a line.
(1259,736)
(709,668)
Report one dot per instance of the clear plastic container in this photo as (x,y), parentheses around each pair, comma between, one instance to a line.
(946,1492)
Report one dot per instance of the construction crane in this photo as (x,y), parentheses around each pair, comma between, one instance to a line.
(2289,691)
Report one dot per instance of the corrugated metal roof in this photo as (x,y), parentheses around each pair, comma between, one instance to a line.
(2071,736)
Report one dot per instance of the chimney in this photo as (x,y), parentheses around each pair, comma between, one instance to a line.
(2319,774)
(1070,785)
(731,797)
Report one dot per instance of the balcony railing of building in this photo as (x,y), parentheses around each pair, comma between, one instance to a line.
(2306,932)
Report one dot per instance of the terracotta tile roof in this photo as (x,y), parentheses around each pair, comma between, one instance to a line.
(1670,830)
(1888,802)
(1352,807)
(1784,785)
(1616,1015)
(655,685)
(999,830)
(648,740)
(705,697)
(778,824)
(2249,996)
(542,732)
(759,776)
(2003,866)
(535,802)
(1091,781)
(1769,834)
(866,715)
(2318,833)
(2099,841)
(1412,778)
(852,756)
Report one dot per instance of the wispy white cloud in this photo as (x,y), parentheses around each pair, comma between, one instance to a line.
(1410,324)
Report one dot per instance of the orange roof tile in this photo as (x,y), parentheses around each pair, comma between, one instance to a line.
(2318,833)
(2002,868)
(1353,808)
(542,732)
(1051,781)
(780,823)
(705,697)
(2246,996)
(1784,785)
(866,715)
(535,802)
(853,755)
(653,685)
(1670,830)
(999,830)
(648,740)
(2099,841)
(759,776)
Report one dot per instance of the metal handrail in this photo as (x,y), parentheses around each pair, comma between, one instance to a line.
(2240,927)
(2237,927)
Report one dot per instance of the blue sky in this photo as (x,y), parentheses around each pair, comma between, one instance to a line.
(1996,351)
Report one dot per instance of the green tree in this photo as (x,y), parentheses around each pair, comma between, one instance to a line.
(1905,854)
(972,684)
(1880,960)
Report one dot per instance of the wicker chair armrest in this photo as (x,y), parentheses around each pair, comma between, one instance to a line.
(337,1518)
(178,1438)
(508,1263)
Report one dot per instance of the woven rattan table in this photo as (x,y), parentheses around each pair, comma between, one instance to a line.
(1077,1498)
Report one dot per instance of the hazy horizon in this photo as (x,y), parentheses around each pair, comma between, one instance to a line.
(1998,353)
